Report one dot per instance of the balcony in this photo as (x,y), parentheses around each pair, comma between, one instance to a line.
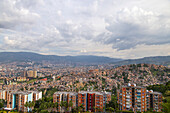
(128,96)
(128,106)
(138,97)
(128,100)
(156,98)
(138,108)
(138,100)
(138,90)
(128,103)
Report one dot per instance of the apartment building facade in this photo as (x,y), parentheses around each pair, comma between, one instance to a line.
(65,97)
(156,101)
(136,98)
(17,99)
(90,100)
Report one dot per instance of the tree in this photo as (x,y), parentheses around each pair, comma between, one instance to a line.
(112,103)
(167,93)
(30,105)
(1,105)
(44,111)
(96,109)
(166,106)
(63,105)
(80,108)
(50,105)
(56,106)
(110,109)
(33,103)
(70,104)
(26,105)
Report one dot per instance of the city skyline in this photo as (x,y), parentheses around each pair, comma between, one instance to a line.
(118,29)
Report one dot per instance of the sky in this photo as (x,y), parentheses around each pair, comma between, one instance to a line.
(127,29)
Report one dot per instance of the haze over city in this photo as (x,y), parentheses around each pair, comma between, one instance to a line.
(114,28)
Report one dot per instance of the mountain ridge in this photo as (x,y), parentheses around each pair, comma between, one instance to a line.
(6,57)
(30,56)
(158,60)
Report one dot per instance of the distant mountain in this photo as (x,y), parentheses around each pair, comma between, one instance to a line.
(158,60)
(6,57)
(28,56)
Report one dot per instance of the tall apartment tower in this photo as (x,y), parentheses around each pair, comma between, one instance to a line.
(132,97)
(156,101)
(23,73)
(32,73)
(137,98)
(93,101)
(65,97)
(82,99)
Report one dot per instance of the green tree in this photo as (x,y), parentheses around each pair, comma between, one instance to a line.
(26,105)
(56,105)
(33,104)
(1,105)
(80,108)
(166,105)
(63,106)
(44,111)
(112,103)
(110,109)
(70,104)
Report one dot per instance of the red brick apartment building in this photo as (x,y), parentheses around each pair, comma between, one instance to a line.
(137,98)
(156,101)
(90,100)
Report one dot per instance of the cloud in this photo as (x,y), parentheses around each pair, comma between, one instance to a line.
(135,26)
(74,27)
(15,17)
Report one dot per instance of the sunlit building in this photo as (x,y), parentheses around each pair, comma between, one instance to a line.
(137,98)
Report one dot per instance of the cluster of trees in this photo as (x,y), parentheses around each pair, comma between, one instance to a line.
(2,103)
(112,105)
(46,105)
(30,105)
(164,89)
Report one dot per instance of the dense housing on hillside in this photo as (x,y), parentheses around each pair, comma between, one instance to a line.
(137,98)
